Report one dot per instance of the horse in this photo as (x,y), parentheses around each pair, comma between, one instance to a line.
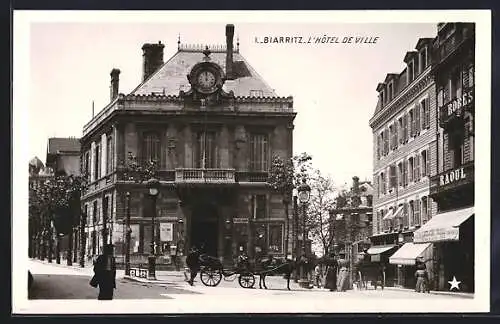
(270,266)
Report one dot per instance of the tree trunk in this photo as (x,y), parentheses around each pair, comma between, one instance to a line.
(82,239)
(50,246)
(69,254)
(58,249)
(287,228)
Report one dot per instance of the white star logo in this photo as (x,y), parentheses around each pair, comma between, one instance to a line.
(454,283)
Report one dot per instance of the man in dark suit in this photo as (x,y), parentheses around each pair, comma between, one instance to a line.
(193,263)
(105,273)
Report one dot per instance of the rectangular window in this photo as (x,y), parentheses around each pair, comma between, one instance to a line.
(417,221)
(416,176)
(386,141)
(411,122)
(400,131)
(424,166)
(425,114)
(410,72)
(259,151)
(400,174)
(471,76)
(405,128)
(425,209)
(97,162)
(276,238)
(440,98)
(406,215)
(379,145)
(206,150)
(151,147)
(392,176)
(147,234)
(405,172)
(455,85)
(260,206)
(423,59)
(417,120)
(411,213)
(390,94)
(109,155)
(256,93)
(87,165)
(411,167)
(95,219)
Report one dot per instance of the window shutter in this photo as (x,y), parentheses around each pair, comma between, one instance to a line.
(417,119)
(396,129)
(413,124)
(417,160)
(386,136)
(427,163)
(417,212)
(427,117)
(405,173)
(405,215)
(378,147)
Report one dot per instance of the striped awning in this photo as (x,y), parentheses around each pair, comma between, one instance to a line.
(408,253)
(443,227)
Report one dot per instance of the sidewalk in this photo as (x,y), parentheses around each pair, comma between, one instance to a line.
(436,292)
(162,276)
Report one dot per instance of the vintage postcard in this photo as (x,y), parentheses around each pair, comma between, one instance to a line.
(251,162)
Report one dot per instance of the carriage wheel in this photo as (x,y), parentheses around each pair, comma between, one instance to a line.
(210,277)
(246,280)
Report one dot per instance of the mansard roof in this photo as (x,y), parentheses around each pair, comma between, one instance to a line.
(171,77)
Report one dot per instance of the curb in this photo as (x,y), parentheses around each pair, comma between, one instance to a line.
(436,292)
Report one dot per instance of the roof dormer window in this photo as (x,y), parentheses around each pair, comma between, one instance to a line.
(411,71)
(423,59)
(390,90)
(256,93)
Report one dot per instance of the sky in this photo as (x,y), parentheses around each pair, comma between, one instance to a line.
(333,84)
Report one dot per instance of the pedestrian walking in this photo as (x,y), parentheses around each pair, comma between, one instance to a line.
(331,273)
(422,277)
(318,276)
(105,273)
(343,276)
(193,263)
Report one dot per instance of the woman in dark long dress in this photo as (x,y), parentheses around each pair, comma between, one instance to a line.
(331,273)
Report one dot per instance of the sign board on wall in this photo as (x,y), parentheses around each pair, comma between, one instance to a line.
(166,232)
(241,220)
(436,234)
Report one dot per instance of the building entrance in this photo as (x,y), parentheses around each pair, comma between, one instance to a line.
(204,232)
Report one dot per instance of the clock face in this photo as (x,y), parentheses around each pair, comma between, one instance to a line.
(206,79)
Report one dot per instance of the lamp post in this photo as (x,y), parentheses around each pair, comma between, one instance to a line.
(304,193)
(153,192)
(179,250)
(127,236)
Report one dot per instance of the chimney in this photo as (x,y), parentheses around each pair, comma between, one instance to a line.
(229,51)
(355,185)
(152,58)
(115,80)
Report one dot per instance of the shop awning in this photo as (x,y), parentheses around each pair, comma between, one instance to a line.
(399,212)
(378,249)
(443,227)
(407,254)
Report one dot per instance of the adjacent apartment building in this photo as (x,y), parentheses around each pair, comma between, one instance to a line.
(451,231)
(404,136)
(212,124)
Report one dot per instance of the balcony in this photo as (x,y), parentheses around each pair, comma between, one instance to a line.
(251,176)
(452,179)
(454,109)
(215,176)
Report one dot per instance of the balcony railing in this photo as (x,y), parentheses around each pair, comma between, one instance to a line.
(251,176)
(190,175)
(452,178)
(455,108)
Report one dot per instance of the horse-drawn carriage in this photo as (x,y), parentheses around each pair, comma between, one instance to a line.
(212,271)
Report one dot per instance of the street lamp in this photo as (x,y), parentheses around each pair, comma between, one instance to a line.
(153,185)
(127,236)
(304,193)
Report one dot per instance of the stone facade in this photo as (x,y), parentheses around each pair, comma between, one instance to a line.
(213,152)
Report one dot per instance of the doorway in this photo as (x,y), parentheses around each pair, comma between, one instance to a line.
(204,228)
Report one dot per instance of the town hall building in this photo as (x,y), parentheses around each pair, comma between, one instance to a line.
(212,125)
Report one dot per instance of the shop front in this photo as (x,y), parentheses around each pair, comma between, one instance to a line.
(405,259)
(379,254)
(452,234)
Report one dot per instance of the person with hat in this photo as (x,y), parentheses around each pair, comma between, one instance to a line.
(105,273)
(331,272)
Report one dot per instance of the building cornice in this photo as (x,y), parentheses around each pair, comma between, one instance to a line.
(405,96)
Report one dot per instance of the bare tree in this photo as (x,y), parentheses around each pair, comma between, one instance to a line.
(322,201)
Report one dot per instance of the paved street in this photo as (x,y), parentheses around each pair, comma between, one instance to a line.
(52,281)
